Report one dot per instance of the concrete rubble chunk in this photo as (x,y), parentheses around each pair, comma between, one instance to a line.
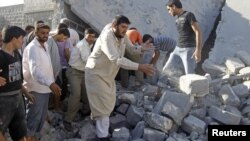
(121,134)
(118,121)
(192,123)
(172,111)
(247,84)
(127,98)
(245,70)
(226,114)
(134,115)
(228,96)
(182,101)
(241,90)
(153,135)
(158,122)
(246,110)
(213,68)
(234,64)
(244,57)
(122,108)
(137,132)
(171,139)
(87,132)
(193,84)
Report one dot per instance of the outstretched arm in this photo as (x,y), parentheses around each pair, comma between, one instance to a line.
(197,52)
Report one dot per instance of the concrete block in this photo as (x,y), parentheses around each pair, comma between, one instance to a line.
(137,132)
(182,101)
(158,122)
(241,90)
(122,108)
(194,84)
(171,110)
(228,96)
(121,134)
(227,114)
(234,64)
(153,135)
(192,123)
(134,115)
(244,57)
(213,68)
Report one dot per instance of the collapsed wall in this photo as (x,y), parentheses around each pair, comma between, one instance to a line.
(233,31)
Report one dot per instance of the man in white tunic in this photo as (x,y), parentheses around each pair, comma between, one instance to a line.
(102,67)
(38,79)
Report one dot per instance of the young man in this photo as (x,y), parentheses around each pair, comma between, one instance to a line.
(102,67)
(189,42)
(76,77)
(39,79)
(136,39)
(12,111)
(162,43)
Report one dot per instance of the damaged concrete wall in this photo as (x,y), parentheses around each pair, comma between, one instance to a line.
(148,16)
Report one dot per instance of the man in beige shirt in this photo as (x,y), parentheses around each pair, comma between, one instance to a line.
(102,67)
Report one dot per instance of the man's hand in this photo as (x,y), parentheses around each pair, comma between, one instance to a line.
(147,46)
(147,69)
(2,81)
(197,55)
(55,89)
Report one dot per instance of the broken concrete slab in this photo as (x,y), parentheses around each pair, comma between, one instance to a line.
(213,68)
(241,90)
(158,122)
(172,111)
(228,96)
(153,135)
(234,65)
(226,114)
(192,123)
(194,84)
(121,134)
(134,115)
(244,57)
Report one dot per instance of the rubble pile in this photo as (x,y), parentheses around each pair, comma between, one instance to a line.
(156,113)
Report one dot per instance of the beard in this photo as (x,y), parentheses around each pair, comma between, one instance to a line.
(119,34)
(42,40)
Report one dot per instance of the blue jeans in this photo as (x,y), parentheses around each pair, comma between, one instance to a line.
(37,113)
(185,55)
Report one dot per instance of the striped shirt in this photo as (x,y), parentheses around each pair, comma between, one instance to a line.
(164,43)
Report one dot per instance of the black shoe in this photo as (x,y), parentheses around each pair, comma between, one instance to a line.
(67,126)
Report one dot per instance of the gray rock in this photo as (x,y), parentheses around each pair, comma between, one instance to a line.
(158,122)
(153,135)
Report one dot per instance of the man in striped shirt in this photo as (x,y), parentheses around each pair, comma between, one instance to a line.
(163,43)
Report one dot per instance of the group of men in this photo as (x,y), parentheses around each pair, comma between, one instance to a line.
(91,75)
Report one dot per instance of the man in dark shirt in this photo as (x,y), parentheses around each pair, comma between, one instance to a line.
(12,111)
(188,47)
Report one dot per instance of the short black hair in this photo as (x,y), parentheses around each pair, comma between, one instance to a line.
(63,31)
(62,25)
(89,31)
(119,19)
(41,25)
(146,37)
(10,32)
(29,27)
(38,22)
(177,3)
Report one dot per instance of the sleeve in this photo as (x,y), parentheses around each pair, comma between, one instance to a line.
(35,68)
(84,52)
(110,50)
(191,18)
